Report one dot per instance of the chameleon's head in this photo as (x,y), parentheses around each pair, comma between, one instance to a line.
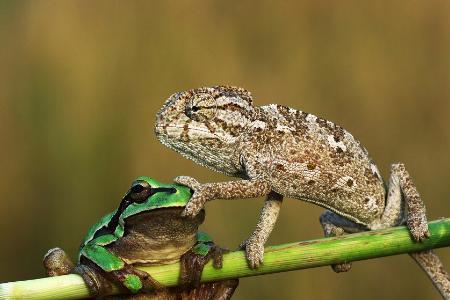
(204,124)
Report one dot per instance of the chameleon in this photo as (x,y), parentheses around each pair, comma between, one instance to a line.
(280,152)
(146,229)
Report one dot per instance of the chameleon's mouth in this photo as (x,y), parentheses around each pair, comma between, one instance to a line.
(161,132)
(159,129)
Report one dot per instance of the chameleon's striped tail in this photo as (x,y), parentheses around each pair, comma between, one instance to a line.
(432,265)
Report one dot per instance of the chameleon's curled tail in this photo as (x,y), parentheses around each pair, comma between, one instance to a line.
(432,265)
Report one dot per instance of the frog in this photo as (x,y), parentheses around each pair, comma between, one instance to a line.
(146,229)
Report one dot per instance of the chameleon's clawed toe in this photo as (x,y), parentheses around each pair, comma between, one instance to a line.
(254,253)
(188,181)
(420,236)
(418,228)
(344,267)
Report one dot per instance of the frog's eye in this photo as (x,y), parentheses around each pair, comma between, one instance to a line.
(137,188)
(201,107)
(140,191)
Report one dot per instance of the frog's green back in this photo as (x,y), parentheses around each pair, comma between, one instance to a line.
(93,229)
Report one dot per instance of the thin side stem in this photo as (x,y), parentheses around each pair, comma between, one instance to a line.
(281,258)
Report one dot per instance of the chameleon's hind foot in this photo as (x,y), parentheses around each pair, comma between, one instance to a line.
(418,226)
(344,267)
(334,226)
(416,216)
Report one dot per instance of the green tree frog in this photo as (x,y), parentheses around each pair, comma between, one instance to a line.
(146,229)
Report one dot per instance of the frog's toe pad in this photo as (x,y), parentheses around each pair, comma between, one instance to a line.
(57,262)
(133,283)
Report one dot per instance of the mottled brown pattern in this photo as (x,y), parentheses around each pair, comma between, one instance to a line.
(255,243)
(294,154)
(432,265)
(225,190)
(416,217)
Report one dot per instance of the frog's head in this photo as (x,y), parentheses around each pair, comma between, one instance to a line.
(152,208)
(147,194)
(204,124)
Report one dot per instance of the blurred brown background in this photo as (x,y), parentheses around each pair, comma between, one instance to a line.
(81,81)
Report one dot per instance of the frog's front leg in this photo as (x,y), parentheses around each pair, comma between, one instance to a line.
(220,190)
(97,263)
(254,245)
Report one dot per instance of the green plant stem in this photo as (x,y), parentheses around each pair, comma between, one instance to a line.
(281,258)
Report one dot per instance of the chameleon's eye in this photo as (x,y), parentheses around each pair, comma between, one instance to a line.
(201,107)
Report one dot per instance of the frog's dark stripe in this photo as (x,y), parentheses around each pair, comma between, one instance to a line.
(126,201)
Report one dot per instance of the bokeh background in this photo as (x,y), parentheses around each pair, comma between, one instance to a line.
(81,81)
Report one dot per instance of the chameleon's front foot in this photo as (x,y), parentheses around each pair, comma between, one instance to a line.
(198,199)
(254,252)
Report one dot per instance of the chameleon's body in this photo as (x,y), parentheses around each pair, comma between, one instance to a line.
(279,151)
(305,157)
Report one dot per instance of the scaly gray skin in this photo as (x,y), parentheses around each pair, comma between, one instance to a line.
(279,151)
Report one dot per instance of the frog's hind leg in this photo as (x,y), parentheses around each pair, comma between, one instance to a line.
(336,225)
(57,262)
